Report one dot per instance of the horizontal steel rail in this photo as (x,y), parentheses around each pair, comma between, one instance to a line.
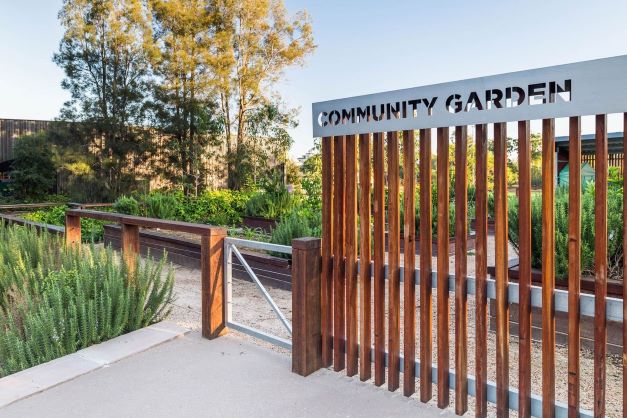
(613,311)
(258,245)
(264,336)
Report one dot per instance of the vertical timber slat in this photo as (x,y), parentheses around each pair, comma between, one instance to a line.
(72,230)
(351,256)
(574,262)
(426,320)
(501,266)
(212,279)
(481,270)
(306,301)
(379,260)
(409,251)
(130,247)
(326,284)
(548,268)
(524,281)
(365,281)
(461,270)
(394,300)
(600,265)
(442,269)
(339,325)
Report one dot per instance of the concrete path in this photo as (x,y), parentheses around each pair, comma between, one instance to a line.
(227,377)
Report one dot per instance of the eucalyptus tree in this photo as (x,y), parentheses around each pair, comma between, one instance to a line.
(103,54)
(185,57)
(261,42)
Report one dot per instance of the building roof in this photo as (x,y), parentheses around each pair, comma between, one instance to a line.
(614,143)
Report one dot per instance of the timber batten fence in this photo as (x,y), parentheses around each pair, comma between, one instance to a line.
(575,90)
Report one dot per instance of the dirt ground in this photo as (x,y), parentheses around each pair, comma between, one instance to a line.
(249,307)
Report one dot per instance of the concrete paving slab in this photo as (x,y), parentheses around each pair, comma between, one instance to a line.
(127,345)
(45,376)
(226,377)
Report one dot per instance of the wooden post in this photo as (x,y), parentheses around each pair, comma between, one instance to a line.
(72,230)
(548,267)
(426,304)
(501,279)
(481,270)
(352,292)
(130,247)
(327,251)
(443,248)
(306,330)
(212,280)
(524,252)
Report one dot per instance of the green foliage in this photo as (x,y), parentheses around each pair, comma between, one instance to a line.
(127,205)
(312,179)
(33,170)
(92,230)
(218,207)
(272,201)
(299,223)
(614,229)
(162,206)
(55,300)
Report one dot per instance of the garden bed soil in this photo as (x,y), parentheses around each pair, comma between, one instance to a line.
(256,222)
(184,249)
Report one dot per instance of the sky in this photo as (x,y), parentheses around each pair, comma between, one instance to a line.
(362,47)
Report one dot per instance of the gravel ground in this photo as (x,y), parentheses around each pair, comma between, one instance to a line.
(249,307)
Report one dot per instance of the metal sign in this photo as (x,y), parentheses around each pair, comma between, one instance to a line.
(578,89)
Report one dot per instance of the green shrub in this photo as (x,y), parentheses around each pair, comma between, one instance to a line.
(161,206)
(291,227)
(272,200)
(218,207)
(56,300)
(127,205)
(92,230)
(33,170)
(614,230)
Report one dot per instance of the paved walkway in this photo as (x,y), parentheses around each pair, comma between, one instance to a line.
(227,377)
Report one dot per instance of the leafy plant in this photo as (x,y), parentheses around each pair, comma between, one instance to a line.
(55,300)
(614,230)
(33,171)
(272,201)
(127,205)
(162,206)
(92,230)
